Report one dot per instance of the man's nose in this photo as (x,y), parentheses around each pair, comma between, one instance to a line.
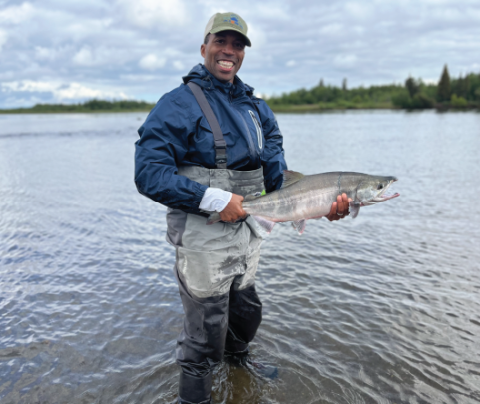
(228,49)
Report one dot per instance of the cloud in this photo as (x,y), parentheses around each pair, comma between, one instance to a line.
(16,14)
(60,92)
(3,38)
(178,65)
(84,57)
(152,62)
(332,29)
(142,48)
(344,60)
(155,13)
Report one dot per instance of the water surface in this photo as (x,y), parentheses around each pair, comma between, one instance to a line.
(380,309)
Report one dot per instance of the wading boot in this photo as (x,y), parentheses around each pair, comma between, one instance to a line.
(243,359)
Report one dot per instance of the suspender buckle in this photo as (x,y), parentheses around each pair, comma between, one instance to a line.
(220,144)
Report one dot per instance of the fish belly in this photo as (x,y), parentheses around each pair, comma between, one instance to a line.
(293,203)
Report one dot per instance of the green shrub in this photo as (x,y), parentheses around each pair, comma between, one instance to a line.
(458,102)
(357,99)
(402,100)
(421,101)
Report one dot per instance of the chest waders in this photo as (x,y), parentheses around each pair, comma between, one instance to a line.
(215,269)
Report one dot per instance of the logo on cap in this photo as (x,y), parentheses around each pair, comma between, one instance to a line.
(234,20)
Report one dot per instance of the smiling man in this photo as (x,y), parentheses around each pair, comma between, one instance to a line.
(203,148)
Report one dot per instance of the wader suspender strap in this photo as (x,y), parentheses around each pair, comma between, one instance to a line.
(220,144)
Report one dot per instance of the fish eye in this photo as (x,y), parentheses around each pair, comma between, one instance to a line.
(380,186)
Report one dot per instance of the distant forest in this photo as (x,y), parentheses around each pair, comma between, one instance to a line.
(460,94)
(88,106)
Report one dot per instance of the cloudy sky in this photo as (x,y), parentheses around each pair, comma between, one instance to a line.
(68,50)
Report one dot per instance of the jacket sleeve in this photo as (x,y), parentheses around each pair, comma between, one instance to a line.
(273,159)
(163,144)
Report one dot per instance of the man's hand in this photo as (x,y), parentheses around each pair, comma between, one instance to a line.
(340,208)
(233,211)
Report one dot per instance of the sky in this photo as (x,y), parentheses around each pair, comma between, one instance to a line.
(68,51)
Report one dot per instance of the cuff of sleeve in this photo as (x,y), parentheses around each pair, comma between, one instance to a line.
(215,200)
(199,193)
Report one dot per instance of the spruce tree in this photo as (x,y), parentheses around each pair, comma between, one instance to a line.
(443,90)
(412,86)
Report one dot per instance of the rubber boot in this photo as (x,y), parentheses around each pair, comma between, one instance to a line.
(180,401)
(195,390)
(243,359)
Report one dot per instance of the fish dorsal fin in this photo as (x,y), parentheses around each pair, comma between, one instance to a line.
(291,177)
(251,197)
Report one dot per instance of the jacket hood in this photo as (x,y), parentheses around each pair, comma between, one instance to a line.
(201,76)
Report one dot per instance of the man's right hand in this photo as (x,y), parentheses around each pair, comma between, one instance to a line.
(233,211)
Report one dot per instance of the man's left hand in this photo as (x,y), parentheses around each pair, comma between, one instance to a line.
(339,209)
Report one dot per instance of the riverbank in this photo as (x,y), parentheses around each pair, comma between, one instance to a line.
(20,111)
(325,107)
(92,106)
(330,106)
(294,109)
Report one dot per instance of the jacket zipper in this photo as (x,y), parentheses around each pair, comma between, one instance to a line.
(257,127)
(251,146)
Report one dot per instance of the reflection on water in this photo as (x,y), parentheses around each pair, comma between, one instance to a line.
(384,308)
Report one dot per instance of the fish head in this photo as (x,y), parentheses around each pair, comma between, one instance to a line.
(373,190)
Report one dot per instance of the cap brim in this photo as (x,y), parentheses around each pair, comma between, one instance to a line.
(233,28)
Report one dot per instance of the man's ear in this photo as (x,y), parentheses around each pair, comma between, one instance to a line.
(202,50)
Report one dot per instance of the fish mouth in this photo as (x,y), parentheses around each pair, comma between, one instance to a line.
(385,197)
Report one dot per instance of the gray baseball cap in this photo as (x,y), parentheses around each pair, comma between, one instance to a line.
(227,22)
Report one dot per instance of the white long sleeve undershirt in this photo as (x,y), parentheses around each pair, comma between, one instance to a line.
(215,200)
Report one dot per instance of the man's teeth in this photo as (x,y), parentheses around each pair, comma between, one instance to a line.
(225,64)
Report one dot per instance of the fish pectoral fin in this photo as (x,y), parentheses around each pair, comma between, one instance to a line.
(265,224)
(213,218)
(291,177)
(299,225)
(354,209)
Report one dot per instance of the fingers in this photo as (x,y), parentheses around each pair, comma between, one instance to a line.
(333,212)
(340,208)
(342,202)
(234,210)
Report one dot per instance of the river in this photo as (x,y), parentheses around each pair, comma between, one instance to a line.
(384,308)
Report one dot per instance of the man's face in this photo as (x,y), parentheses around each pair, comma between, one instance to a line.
(224,54)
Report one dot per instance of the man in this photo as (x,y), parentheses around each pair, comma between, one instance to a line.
(195,161)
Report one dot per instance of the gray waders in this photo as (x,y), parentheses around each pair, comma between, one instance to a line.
(215,269)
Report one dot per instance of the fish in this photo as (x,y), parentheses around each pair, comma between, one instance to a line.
(304,197)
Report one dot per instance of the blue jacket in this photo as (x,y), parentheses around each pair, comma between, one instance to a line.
(177,133)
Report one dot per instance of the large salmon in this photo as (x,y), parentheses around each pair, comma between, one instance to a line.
(304,197)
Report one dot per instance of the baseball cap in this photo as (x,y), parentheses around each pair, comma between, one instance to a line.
(227,21)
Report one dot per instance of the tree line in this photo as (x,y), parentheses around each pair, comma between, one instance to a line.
(88,106)
(460,93)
